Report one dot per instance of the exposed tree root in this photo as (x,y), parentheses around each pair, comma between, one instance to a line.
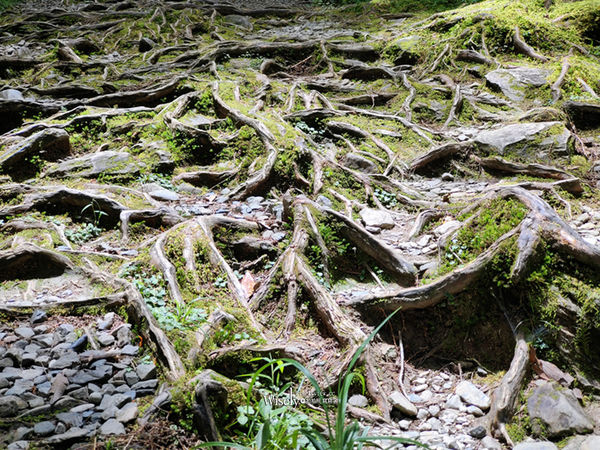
(524,48)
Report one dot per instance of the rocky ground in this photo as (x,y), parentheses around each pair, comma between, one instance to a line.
(191,188)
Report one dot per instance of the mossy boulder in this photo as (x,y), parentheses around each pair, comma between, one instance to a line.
(514,83)
(90,166)
(556,412)
(527,141)
(405,50)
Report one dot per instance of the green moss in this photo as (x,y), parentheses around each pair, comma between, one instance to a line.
(494,220)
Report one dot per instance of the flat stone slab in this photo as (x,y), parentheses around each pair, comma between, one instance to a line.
(514,83)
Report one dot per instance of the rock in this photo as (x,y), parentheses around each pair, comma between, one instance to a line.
(11,94)
(146,371)
(70,419)
(25,332)
(105,339)
(48,144)
(490,443)
(18,445)
(130,350)
(405,50)
(238,20)
(539,445)
(71,435)
(68,359)
(360,401)
(38,316)
(583,443)
(434,410)
(116,400)
(128,413)
(471,395)
(360,163)
(447,177)
(44,428)
(454,402)
(106,322)
(376,218)
(401,403)
(478,432)
(447,227)
(532,141)
(555,412)
(112,426)
(10,405)
(584,115)
(145,45)
(422,413)
(515,83)
(80,344)
(543,114)
(94,164)
(472,409)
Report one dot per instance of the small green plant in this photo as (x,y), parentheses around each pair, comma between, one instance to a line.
(339,435)
(83,233)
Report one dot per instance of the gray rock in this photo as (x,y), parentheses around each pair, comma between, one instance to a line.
(106,322)
(50,144)
(116,400)
(70,419)
(123,335)
(490,443)
(105,339)
(131,378)
(112,427)
(422,413)
(60,428)
(434,410)
(238,20)
(82,408)
(44,428)
(471,395)
(472,409)
(478,432)
(360,401)
(68,359)
(146,371)
(539,445)
(10,405)
(128,413)
(130,350)
(454,402)
(447,177)
(531,140)
(71,435)
(109,413)
(11,94)
(148,384)
(514,83)
(25,332)
(38,316)
(376,218)
(555,412)
(94,164)
(18,445)
(402,404)
(583,443)
(360,163)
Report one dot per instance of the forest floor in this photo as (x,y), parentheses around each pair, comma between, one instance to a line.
(190,190)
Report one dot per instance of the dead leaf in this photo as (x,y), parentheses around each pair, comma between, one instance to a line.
(248,284)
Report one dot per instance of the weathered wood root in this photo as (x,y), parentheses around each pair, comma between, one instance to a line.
(541,223)
(506,396)
(523,47)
